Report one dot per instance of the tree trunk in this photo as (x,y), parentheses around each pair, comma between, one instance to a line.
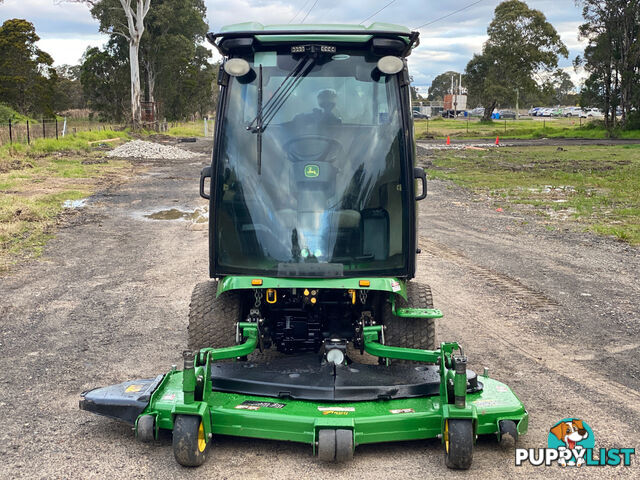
(134,64)
(488,111)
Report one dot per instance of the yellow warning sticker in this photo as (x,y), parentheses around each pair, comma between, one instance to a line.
(133,388)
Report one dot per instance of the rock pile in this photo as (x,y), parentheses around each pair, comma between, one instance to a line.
(142,149)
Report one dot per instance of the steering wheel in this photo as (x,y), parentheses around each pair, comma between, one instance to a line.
(313,148)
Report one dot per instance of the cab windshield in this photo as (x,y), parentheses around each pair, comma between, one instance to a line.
(319,192)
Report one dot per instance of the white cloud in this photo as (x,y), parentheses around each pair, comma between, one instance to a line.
(69,50)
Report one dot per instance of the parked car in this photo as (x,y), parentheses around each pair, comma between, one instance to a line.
(420,116)
(572,111)
(533,111)
(477,112)
(592,113)
(545,112)
(507,114)
(452,114)
(557,112)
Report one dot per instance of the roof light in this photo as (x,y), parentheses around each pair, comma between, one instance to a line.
(390,64)
(256,282)
(237,67)
(365,283)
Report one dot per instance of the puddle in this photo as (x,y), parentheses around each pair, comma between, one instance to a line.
(199,215)
(75,203)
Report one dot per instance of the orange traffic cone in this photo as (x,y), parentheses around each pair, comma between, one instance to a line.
(497,140)
(448,141)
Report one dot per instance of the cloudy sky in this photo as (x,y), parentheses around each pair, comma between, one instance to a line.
(67,29)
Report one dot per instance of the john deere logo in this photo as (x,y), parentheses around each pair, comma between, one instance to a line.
(311,171)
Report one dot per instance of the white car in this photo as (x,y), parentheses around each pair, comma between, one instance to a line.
(572,112)
(591,113)
(545,112)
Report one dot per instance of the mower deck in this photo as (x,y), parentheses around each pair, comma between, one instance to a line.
(303,399)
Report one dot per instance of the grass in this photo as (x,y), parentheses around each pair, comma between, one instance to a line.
(36,180)
(595,187)
(527,128)
(191,129)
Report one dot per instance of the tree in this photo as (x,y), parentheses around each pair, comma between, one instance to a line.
(612,56)
(441,85)
(68,90)
(521,44)
(561,85)
(27,77)
(125,18)
(104,77)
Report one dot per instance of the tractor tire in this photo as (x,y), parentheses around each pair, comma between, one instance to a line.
(212,320)
(411,332)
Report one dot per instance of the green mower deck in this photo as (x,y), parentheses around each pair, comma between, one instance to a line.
(332,428)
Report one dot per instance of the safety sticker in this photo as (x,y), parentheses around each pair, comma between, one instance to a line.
(263,404)
(169,397)
(336,410)
(247,407)
(133,388)
(395,286)
(502,388)
(484,403)
(403,410)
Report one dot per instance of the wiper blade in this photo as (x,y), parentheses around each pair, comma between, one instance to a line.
(279,97)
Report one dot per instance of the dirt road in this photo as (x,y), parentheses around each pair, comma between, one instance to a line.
(553,314)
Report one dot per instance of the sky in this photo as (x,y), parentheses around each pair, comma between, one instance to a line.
(67,29)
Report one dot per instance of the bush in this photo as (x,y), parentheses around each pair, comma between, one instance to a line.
(633,121)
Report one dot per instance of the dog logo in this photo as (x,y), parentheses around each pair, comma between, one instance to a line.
(574,436)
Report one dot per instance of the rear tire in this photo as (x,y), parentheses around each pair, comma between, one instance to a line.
(212,320)
(411,332)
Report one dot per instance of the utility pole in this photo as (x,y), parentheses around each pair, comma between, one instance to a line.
(517,101)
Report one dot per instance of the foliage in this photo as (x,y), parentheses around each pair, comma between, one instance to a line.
(68,90)
(176,71)
(521,43)
(612,57)
(27,78)
(104,75)
(441,85)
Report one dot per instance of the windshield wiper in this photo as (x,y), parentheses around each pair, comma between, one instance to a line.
(267,112)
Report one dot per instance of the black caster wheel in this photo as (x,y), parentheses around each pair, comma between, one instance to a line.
(458,443)
(344,445)
(190,446)
(327,445)
(508,433)
(146,430)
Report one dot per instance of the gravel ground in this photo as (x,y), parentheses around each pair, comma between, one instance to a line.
(109,301)
(143,149)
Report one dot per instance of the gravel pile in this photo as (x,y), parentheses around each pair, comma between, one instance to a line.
(142,149)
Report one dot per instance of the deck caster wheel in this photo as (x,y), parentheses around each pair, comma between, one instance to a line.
(190,446)
(327,445)
(146,430)
(508,433)
(344,445)
(458,443)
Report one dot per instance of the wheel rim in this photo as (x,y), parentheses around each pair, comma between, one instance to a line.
(202,443)
(446,435)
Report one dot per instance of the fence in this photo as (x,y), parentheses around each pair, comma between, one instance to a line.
(28,131)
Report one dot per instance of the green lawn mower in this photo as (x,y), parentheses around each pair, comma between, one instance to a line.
(311,330)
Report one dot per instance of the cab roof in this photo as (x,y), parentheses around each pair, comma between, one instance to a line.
(296,33)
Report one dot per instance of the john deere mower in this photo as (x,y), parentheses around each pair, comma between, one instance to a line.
(310,329)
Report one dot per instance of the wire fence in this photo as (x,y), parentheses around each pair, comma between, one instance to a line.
(28,131)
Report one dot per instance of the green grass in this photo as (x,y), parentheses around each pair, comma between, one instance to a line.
(191,129)
(596,187)
(78,142)
(527,128)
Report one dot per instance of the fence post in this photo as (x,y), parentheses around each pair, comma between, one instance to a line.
(10,133)
(44,133)
(28,134)
(205,126)
(64,127)
(56,128)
